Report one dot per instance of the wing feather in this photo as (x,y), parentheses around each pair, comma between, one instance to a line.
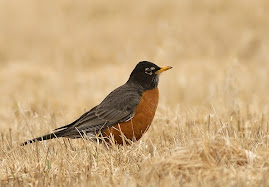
(119,106)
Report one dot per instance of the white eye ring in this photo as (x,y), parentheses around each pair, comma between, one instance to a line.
(148,71)
(152,68)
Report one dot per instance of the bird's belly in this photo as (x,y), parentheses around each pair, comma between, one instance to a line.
(139,124)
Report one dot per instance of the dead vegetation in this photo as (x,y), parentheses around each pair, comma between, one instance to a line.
(60,58)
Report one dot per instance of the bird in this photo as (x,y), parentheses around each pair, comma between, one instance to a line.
(125,114)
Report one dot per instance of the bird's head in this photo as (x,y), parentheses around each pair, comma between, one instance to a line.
(146,74)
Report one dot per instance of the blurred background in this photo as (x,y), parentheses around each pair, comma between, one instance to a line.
(63,57)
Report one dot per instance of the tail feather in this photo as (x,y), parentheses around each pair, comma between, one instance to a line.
(69,133)
(41,138)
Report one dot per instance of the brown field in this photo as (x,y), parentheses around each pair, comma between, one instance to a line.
(61,58)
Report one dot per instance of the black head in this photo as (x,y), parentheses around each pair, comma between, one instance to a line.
(146,74)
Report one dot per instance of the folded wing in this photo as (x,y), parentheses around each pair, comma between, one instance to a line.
(119,106)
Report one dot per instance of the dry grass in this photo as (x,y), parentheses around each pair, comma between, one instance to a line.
(60,58)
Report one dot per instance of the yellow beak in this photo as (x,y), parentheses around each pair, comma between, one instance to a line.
(164,68)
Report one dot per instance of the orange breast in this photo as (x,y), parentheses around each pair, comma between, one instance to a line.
(139,124)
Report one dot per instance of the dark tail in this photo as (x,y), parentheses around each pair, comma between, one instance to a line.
(42,138)
(66,131)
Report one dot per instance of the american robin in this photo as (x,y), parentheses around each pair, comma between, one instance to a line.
(126,113)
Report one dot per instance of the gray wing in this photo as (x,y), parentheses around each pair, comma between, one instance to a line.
(118,106)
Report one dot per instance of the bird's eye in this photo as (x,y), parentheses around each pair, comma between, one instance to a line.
(152,68)
(148,71)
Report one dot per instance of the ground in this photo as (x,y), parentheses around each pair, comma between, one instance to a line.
(60,58)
